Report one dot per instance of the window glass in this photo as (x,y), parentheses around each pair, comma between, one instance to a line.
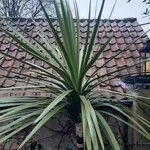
(148,67)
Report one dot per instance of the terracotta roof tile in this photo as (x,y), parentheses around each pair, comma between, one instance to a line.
(107,54)
(120,62)
(121,23)
(135,54)
(100,62)
(123,72)
(127,54)
(111,64)
(89,73)
(114,24)
(120,40)
(122,46)
(124,32)
(118,34)
(115,29)
(114,46)
(102,28)
(102,72)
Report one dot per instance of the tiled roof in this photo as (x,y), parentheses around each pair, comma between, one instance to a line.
(124,32)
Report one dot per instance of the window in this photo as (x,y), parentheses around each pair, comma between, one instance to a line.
(146,68)
(145,55)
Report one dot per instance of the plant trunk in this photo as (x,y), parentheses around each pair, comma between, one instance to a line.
(79,136)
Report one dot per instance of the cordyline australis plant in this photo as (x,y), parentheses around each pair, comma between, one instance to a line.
(71,92)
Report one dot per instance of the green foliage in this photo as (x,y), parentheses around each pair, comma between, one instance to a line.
(71,92)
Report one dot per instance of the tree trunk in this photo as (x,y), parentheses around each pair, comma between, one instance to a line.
(79,136)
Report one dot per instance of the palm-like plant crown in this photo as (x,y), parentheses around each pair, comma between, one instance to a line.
(70,90)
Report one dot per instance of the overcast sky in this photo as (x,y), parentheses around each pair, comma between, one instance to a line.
(122,10)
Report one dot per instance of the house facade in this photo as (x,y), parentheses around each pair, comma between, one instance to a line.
(120,74)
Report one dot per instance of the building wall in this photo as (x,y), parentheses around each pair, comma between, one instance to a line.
(137,141)
(140,142)
(58,133)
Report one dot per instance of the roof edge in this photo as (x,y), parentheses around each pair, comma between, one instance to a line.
(21,19)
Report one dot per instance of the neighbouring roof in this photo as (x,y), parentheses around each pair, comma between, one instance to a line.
(124,32)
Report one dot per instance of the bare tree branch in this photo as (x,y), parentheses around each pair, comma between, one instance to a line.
(24,8)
